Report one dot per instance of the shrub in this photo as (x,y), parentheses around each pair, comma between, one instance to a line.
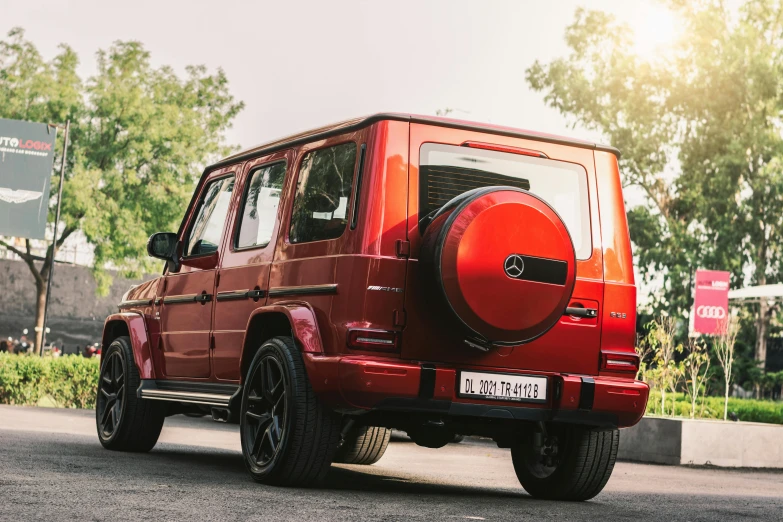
(67,382)
(747,410)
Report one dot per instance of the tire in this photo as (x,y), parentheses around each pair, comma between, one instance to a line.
(457,438)
(123,421)
(364,445)
(288,437)
(583,464)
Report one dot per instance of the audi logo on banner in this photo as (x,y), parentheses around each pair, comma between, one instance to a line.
(711,312)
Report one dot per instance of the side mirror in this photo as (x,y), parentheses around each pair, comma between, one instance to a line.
(163,245)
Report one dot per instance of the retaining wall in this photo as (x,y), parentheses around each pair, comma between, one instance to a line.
(703,442)
(76,313)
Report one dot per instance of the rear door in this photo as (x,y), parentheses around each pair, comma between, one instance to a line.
(573,344)
(243,277)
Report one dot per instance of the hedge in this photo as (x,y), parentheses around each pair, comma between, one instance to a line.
(65,382)
(70,382)
(747,410)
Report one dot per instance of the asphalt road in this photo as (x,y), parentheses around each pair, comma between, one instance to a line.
(53,468)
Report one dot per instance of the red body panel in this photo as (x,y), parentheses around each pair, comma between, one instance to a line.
(368,279)
(137,331)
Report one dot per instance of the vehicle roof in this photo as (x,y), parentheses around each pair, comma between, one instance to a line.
(358,123)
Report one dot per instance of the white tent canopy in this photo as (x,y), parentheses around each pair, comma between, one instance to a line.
(756,293)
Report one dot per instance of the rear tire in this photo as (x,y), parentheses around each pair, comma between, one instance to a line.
(580,469)
(364,445)
(125,422)
(288,437)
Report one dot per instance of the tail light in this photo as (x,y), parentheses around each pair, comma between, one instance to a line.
(374,340)
(620,362)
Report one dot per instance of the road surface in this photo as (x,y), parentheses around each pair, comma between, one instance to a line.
(53,468)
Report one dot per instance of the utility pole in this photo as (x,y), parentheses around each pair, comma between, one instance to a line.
(54,238)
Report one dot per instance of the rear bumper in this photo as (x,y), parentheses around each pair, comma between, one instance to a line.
(377,384)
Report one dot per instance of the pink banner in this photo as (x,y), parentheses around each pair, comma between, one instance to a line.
(711,301)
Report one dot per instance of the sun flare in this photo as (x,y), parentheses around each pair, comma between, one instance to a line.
(655,29)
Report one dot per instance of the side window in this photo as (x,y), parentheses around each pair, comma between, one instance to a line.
(322,193)
(205,232)
(259,212)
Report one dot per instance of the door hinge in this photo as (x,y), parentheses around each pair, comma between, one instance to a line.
(399,317)
(217,279)
(403,248)
(211,342)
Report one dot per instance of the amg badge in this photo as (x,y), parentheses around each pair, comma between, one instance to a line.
(385,289)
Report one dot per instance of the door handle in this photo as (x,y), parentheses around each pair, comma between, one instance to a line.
(203,298)
(577,311)
(256,294)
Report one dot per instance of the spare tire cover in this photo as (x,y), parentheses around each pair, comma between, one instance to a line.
(503,261)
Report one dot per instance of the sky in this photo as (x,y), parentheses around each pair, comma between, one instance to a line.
(299,64)
(302,64)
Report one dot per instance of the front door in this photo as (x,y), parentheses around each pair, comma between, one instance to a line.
(248,253)
(188,296)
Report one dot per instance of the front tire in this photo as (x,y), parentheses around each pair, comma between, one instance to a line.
(573,463)
(125,422)
(288,437)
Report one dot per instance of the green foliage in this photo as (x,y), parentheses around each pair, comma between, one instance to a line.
(746,410)
(699,129)
(140,136)
(68,382)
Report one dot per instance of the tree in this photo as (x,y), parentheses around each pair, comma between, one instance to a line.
(699,130)
(696,366)
(661,338)
(724,351)
(139,138)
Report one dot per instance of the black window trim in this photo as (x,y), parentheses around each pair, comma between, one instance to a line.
(295,181)
(241,209)
(358,190)
(199,202)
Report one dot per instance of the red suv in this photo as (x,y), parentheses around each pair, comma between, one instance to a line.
(431,275)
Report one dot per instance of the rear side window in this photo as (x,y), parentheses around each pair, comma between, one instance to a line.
(446,171)
(262,198)
(322,192)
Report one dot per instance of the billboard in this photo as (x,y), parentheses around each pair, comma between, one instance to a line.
(710,302)
(26,158)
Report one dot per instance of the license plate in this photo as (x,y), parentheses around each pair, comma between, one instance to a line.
(502,386)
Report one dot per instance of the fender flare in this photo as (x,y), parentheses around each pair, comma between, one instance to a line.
(304,327)
(139,338)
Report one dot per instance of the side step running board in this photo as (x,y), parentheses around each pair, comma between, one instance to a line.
(207,394)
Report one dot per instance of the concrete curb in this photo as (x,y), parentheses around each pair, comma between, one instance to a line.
(675,441)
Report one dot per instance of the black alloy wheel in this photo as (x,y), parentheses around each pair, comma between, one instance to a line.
(265,417)
(111,395)
(124,421)
(288,437)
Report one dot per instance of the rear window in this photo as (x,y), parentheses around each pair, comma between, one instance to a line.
(322,193)
(446,171)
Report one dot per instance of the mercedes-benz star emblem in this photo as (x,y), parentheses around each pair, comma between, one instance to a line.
(514,266)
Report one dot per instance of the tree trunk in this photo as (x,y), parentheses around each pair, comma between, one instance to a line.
(663,401)
(726,402)
(40,304)
(761,339)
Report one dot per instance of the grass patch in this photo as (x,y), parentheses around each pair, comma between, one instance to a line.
(747,410)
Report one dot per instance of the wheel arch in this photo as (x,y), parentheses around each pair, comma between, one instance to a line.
(295,319)
(131,324)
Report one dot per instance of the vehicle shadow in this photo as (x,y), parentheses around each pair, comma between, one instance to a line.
(351,479)
(230,466)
